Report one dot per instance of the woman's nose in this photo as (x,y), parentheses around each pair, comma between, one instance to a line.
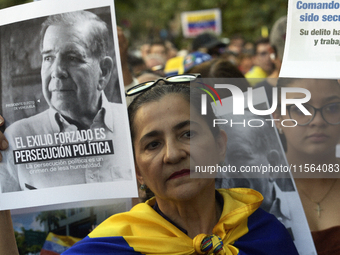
(175,151)
(318,119)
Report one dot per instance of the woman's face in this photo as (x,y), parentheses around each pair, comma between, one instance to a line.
(318,137)
(169,143)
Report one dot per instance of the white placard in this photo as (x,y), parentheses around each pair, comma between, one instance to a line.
(312,48)
(88,163)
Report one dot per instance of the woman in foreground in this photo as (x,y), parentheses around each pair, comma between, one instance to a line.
(311,149)
(186,216)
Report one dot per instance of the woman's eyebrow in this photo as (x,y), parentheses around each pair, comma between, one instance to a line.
(183,124)
(178,126)
(331,98)
(149,135)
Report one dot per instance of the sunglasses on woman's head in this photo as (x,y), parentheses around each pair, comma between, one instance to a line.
(182,78)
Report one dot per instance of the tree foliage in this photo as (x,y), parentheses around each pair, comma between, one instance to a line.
(23,247)
(52,218)
(9,3)
(146,19)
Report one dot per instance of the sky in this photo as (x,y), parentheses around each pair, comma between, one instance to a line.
(27,221)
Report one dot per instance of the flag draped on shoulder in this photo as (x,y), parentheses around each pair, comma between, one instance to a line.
(242,229)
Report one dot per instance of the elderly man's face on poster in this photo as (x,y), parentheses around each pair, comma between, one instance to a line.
(71,75)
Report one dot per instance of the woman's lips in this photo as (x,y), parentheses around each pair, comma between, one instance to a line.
(318,137)
(179,174)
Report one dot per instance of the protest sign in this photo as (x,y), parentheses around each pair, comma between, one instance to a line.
(196,22)
(64,105)
(312,48)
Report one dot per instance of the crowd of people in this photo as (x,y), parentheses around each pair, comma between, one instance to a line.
(187,215)
(254,60)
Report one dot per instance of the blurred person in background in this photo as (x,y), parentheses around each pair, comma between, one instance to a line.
(263,64)
(208,42)
(185,64)
(204,47)
(155,63)
(158,47)
(195,59)
(222,68)
(277,40)
(145,50)
(217,68)
(245,61)
(171,49)
(136,65)
(236,44)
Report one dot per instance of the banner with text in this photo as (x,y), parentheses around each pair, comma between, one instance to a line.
(64,109)
(312,48)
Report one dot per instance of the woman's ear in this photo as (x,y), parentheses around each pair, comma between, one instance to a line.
(138,175)
(222,144)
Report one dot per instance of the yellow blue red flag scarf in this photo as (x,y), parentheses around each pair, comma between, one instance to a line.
(242,229)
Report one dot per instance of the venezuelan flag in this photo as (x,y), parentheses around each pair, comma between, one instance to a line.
(243,229)
(56,244)
(199,23)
